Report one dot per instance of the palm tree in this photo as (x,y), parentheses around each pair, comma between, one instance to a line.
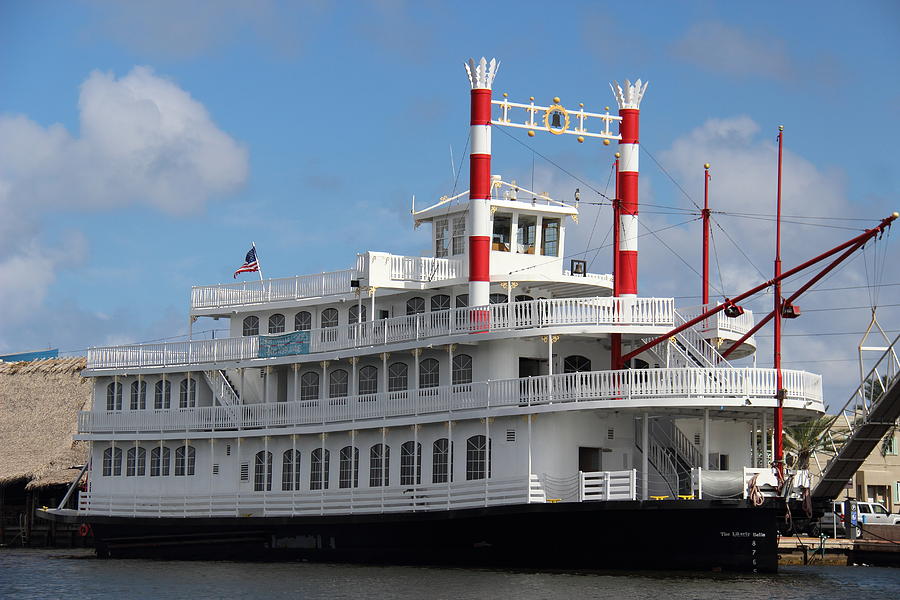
(805,439)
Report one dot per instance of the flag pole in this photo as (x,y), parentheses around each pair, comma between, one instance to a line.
(258,264)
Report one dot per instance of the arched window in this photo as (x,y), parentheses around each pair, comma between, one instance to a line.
(337,383)
(462,369)
(330,317)
(478,457)
(185,460)
(429,373)
(162,395)
(524,298)
(290,470)
(442,461)
(136,462)
(187,398)
(114,396)
(349,475)
(251,326)
(462,300)
(159,461)
(276,323)
(576,364)
(368,380)
(262,472)
(138,395)
(379,465)
(415,305)
(637,363)
(398,377)
(410,463)
(112,462)
(329,321)
(440,302)
(303,321)
(318,469)
(353,315)
(497,298)
(309,386)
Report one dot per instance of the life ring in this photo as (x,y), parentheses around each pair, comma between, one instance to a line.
(84,530)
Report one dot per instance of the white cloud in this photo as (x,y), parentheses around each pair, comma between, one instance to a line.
(143,141)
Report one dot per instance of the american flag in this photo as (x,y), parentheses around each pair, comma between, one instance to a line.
(250,263)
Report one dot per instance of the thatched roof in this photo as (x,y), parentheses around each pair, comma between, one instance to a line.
(39,404)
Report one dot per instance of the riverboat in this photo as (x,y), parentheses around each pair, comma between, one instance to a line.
(489,404)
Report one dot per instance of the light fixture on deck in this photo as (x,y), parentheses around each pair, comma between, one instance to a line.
(790,311)
(733,310)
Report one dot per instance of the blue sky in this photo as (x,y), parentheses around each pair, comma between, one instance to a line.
(306,127)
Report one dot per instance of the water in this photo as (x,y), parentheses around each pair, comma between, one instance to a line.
(75,574)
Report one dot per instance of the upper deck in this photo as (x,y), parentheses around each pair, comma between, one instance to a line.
(373,269)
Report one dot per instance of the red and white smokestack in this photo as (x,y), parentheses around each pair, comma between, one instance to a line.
(481,76)
(629,99)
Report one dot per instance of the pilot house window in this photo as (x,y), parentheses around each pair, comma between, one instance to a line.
(459,235)
(441,238)
(525,234)
(550,237)
(502,236)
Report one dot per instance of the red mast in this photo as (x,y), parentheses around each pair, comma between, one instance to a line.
(779,386)
(705,214)
(615,353)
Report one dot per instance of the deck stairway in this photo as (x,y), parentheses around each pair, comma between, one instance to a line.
(222,388)
(871,411)
(666,481)
(689,349)
(671,453)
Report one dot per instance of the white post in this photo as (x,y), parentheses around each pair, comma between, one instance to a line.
(258,264)
(754,446)
(705,457)
(645,459)
(764,440)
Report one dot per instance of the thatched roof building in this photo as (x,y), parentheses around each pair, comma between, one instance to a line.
(39,404)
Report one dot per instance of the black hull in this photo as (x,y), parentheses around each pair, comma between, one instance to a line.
(662,535)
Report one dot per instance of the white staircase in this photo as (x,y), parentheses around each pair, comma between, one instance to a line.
(223,391)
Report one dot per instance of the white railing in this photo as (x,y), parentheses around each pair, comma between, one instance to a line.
(642,385)
(379,268)
(333,501)
(495,317)
(595,486)
(608,485)
(718,322)
(272,290)
(604,278)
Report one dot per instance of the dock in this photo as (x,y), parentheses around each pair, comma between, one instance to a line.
(879,545)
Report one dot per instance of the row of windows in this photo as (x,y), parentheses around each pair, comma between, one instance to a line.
(303,320)
(478,465)
(338,382)
(398,378)
(160,461)
(162,394)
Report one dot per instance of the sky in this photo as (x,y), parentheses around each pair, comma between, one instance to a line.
(144,146)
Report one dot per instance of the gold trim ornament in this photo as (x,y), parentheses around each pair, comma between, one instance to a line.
(556,108)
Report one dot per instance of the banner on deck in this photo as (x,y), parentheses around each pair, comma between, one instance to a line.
(296,342)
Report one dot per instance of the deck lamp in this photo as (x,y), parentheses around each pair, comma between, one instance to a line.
(790,311)
(733,310)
